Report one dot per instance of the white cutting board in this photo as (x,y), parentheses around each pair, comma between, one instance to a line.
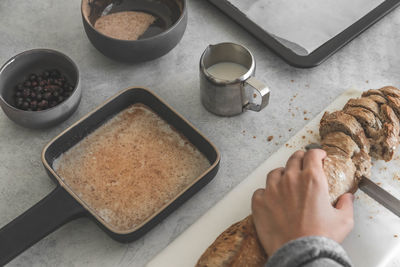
(373,242)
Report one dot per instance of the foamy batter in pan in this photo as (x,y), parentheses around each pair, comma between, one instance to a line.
(131,166)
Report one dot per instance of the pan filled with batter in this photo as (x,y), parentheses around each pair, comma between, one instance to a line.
(127,165)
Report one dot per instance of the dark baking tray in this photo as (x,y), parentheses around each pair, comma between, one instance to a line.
(320,54)
(63,205)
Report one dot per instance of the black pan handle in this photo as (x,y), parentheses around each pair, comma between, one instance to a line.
(50,213)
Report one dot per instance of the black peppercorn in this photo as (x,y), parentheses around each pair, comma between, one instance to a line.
(34,83)
(58,82)
(27,83)
(39,97)
(47,95)
(25,105)
(43,104)
(54,74)
(32,77)
(46,74)
(19,101)
(26,92)
(34,104)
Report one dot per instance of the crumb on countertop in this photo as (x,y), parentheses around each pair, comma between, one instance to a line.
(306,119)
(254,137)
(270,138)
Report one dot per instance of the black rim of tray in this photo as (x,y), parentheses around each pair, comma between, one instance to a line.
(324,51)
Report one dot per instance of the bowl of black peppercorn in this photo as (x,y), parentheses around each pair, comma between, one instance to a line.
(39,88)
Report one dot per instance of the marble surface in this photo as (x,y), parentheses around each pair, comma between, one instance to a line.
(370,61)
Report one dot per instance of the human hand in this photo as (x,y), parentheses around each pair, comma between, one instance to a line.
(295,203)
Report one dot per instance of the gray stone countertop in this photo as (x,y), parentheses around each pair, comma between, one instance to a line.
(372,60)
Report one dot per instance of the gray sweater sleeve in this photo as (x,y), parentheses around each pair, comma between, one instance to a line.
(310,251)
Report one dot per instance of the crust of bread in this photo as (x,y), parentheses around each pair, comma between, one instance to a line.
(237,246)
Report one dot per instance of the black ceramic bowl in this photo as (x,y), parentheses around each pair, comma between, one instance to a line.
(16,69)
(162,35)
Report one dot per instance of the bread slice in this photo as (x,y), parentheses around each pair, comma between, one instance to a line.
(389,116)
(341,141)
(394,103)
(342,122)
(340,172)
(385,144)
(371,124)
(390,91)
(392,95)
(379,99)
(362,162)
(372,92)
(365,103)
(237,246)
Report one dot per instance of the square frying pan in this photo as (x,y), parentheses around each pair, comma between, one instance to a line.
(63,204)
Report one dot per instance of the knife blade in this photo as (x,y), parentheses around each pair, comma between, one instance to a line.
(373,190)
(380,195)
